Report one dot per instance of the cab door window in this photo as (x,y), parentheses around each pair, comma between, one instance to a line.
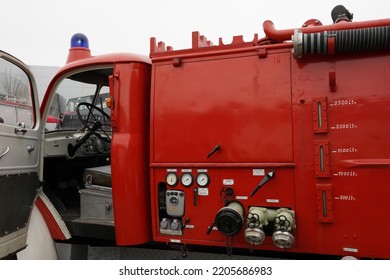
(16,106)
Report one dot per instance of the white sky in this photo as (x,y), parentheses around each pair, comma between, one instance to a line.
(38,31)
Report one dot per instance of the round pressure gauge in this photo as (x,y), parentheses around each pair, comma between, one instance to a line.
(171,179)
(186,179)
(202,179)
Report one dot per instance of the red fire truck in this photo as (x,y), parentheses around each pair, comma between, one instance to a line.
(274,145)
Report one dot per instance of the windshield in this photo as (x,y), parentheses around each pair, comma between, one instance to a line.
(90,87)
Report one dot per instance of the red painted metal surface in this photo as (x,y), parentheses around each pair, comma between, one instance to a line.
(319,124)
(130,86)
(212,102)
(303,136)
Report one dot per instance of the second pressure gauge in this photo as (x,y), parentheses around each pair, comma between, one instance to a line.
(186,180)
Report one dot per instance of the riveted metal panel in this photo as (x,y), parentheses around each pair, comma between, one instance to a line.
(18,194)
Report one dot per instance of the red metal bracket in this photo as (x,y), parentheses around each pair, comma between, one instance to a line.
(332,76)
(199,41)
(156,47)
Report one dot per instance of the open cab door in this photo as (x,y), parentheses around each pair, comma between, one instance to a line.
(19,152)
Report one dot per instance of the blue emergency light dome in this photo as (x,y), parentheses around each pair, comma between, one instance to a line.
(79,40)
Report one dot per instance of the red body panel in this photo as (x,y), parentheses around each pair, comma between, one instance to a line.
(227,102)
(318,122)
(130,86)
(358,153)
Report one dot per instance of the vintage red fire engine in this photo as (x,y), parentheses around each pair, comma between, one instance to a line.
(279,144)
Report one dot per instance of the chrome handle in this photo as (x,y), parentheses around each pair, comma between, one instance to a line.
(20,130)
(6,152)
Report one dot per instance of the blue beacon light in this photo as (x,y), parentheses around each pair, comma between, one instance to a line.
(79,40)
(79,48)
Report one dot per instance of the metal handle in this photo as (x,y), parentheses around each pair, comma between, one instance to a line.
(267,177)
(20,130)
(6,152)
(195,197)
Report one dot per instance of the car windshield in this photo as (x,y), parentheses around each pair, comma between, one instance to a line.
(87,87)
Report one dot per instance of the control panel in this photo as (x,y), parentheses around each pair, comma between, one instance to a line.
(171,218)
(218,204)
(174,200)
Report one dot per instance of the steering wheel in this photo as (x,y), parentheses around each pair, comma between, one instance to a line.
(92,123)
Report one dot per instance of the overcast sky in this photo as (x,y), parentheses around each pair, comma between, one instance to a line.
(39,31)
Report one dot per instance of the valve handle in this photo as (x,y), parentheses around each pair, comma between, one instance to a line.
(195,197)
(185,223)
(210,228)
(269,176)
